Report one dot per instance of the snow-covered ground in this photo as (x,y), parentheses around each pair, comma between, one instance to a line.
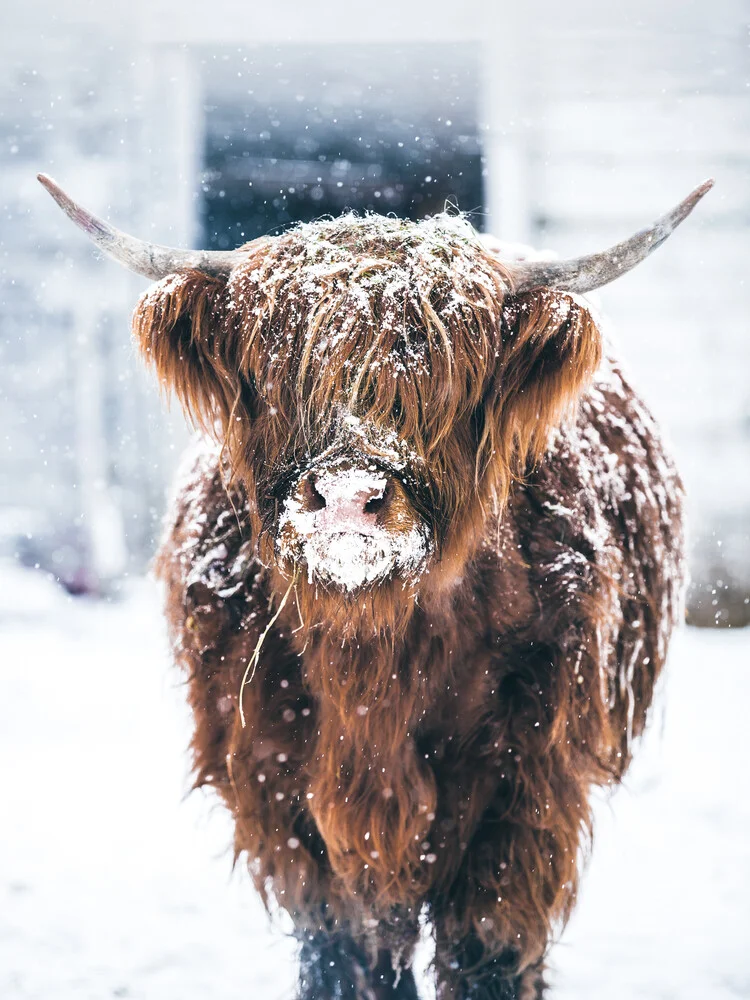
(114,884)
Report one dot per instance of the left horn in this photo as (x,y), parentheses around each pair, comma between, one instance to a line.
(584,274)
(149,259)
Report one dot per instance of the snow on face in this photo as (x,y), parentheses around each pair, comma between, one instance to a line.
(351,561)
(340,543)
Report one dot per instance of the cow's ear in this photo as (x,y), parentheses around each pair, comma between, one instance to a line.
(551,347)
(179,325)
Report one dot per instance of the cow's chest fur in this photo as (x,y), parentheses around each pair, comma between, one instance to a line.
(456,759)
(375,759)
(393,768)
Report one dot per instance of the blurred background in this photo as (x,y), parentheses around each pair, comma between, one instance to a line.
(568,126)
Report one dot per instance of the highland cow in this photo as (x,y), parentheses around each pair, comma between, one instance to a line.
(421,572)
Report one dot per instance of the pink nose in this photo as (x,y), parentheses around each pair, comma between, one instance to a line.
(347,501)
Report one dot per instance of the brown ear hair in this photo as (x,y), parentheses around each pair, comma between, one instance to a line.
(179,326)
(551,347)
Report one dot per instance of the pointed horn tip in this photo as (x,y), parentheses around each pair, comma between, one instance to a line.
(686,206)
(93,227)
(46,181)
(54,189)
(702,189)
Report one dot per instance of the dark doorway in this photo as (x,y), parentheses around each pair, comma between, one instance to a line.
(292,135)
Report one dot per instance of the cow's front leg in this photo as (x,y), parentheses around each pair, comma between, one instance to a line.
(334,966)
(492,921)
(469,971)
(391,981)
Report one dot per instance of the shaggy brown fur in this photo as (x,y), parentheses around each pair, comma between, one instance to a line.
(427,741)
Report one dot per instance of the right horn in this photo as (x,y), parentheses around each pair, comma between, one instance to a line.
(584,274)
(149,259)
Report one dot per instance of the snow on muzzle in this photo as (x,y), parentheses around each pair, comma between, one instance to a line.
(352,526)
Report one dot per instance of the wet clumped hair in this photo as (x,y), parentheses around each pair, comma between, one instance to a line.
(411,328)
(428,742)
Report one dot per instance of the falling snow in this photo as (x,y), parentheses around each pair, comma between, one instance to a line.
(110,832)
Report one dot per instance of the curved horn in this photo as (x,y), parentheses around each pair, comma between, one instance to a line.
(584,274)
(149,259)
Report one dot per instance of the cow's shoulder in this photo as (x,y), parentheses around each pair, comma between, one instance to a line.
(207,559)
(610,460)
(601,514)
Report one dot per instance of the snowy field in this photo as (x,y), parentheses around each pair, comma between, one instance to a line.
(114,884)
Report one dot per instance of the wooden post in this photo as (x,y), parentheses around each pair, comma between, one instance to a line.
(504,105)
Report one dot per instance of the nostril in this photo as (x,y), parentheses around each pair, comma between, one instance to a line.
(313,499)
(374,505)
(377,503)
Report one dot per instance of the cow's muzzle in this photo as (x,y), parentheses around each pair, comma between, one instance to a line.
(353,526)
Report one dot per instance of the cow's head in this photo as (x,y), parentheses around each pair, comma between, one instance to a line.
(377,385)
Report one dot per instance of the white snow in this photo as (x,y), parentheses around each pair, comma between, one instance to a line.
(113,884)
(351,560)
(345,550)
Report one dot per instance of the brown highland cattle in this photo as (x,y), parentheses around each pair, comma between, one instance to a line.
(421,572)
